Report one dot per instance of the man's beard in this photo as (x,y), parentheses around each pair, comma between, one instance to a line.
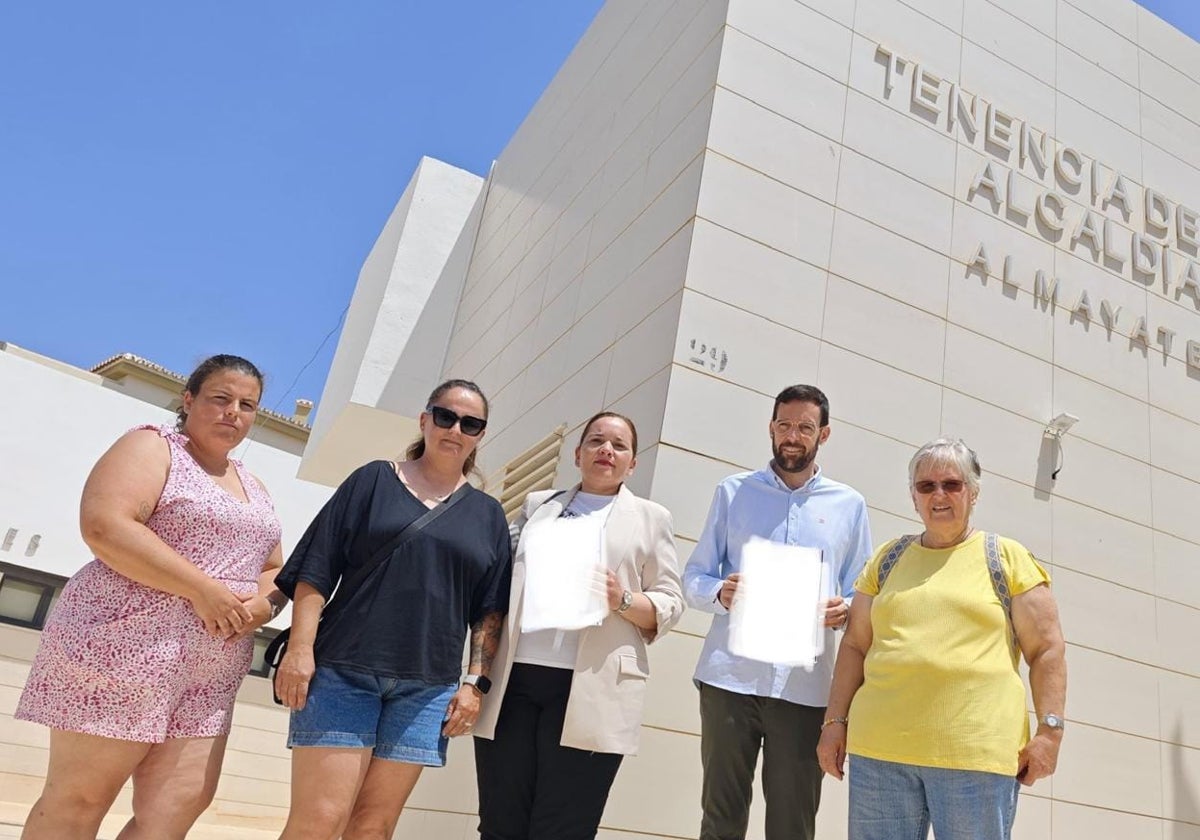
(794,463)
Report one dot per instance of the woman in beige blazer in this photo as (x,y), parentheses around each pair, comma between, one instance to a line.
(566,706)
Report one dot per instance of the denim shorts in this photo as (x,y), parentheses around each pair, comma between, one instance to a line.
(398,720)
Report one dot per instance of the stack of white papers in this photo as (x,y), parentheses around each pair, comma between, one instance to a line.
(778,611)
(564,578)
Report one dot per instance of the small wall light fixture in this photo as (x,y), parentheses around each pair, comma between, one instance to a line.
(1055,429)
(1060,425)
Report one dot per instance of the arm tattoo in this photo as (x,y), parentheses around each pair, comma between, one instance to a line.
(485,640)
(145,509)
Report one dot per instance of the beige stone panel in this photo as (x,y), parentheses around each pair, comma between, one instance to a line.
(1009,37)
(617,213)
(1178,179)
(1173,387)
(773,145)
(1110,770)
(1079,822)
(992,371)
(1015,319)
(1173,443)
(1181,782)
(913,34)
(949,13)
(875,257)
(1161,39)
(884,196)
(1037,13)
(733,345)
(643,351)
(1170,87)
(1103,479)
(657,792)
(680,147)
(1092,351)
(13,672)
(1002,231)
(1010,88)
(748,202)
(1178,629)
(1101,545)
(1109,692)
(1168,129)
(1010,508)
(683,483)
(1173,311)
(1176,572)
(796,30)
(1095,135)
(1114,420)
(1179,709)
(1118,15)
(705,414)
(274,766)
(1103,616)
(866,394)
(1095,42)
(755,277)
(837,10)
(895,140)
(874,465)
(671,699)
(268,716)
(1007,443)
(781,84)
(866,322)
(1175,505)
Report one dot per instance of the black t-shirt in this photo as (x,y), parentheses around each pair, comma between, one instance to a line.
(408,619)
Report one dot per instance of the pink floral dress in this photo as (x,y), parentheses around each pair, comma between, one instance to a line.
(123,660)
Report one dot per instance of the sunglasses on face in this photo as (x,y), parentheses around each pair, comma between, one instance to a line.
(444,418)
(950,485)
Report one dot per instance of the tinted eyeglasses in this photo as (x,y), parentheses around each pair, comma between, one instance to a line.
(949,486)
(444,418)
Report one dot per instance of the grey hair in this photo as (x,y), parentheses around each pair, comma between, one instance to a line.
(948,452)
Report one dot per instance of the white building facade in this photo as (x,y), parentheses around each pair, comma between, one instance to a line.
(959,217)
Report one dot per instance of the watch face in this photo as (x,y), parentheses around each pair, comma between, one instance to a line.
(481,682)
(1053,721)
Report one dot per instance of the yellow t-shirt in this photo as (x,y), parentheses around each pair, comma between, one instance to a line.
(941,686)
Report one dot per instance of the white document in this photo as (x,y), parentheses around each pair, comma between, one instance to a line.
(564,575)
(778,611)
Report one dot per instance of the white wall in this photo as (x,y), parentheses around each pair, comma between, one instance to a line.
(835,228)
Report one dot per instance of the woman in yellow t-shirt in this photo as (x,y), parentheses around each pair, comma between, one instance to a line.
(926,694)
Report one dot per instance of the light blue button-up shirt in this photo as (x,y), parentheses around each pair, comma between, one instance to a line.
(822,514)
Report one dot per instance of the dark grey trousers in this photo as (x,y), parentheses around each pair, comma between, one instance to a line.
(733,728)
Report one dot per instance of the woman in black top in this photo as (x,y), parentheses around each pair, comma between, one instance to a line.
(374,690)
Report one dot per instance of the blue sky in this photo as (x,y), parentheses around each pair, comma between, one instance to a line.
(183,179)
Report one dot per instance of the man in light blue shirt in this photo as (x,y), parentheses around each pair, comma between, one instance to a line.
(746,705)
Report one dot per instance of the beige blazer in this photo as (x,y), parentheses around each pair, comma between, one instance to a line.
(608,691)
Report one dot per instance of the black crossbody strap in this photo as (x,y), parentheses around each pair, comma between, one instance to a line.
(389,548)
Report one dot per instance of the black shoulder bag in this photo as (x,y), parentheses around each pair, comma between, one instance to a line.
(341,595)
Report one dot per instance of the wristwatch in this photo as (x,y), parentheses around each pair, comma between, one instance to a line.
(1052,721)
(626,601)
(478,681)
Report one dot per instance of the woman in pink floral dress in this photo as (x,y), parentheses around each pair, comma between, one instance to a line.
(143,654)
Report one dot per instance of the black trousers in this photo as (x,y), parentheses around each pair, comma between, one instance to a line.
(733,728)
(531,787)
